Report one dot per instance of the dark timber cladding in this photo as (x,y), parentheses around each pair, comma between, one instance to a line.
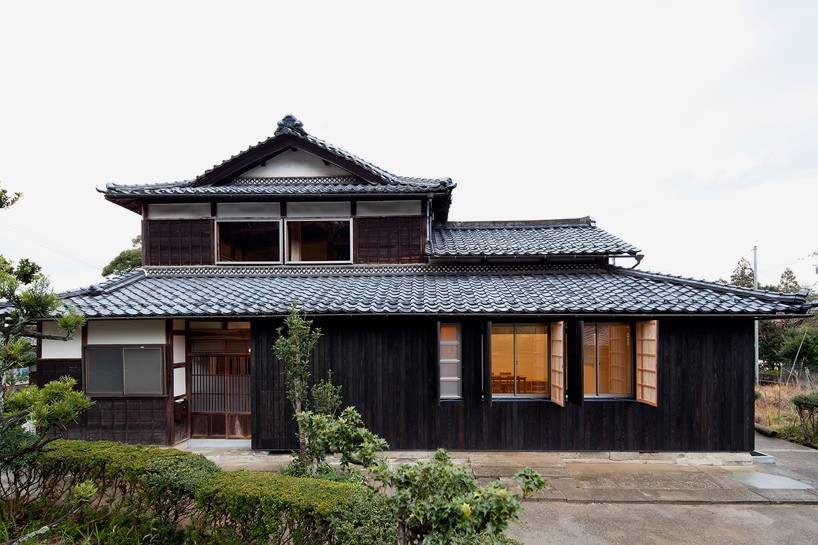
(388,371)
(389,240)
(178,242)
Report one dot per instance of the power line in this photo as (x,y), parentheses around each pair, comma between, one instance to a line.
(50,245)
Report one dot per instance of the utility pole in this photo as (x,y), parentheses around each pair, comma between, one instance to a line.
(755,322)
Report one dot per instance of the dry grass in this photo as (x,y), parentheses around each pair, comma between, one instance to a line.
(767,405)
(781,415)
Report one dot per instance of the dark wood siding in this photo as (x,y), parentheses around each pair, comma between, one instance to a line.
(129,420)
(387,369)
(178,242)
(271,418)
(48,370)
(389,239)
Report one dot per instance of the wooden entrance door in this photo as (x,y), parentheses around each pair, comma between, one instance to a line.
(220,396)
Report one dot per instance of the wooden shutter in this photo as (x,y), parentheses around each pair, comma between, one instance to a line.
(558,363)
(487,363)
(574,367)
(647,385)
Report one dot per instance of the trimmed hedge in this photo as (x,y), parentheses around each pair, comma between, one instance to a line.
(252,507)
(185,498)
(143,481)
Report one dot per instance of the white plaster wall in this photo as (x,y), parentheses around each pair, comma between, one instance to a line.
(319,209)
(249,210)
(126,332)
(178,211)
(294,164)
(179,383)
(178,349)
(388,208)
(53,350)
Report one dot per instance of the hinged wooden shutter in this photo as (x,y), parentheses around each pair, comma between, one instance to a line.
(558,363)
(487,363)
(647,353)
(437,363)
(574,368)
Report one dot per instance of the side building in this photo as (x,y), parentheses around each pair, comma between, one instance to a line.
(477,335)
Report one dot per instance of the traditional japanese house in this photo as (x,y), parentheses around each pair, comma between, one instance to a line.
(480,335)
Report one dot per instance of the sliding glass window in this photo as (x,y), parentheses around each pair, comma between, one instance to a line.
(519,360)
(249,241)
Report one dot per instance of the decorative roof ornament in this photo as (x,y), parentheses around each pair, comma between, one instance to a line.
(290,125)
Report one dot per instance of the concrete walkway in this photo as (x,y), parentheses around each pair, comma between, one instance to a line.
(791,479)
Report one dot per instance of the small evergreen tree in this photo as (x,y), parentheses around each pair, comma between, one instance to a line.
(293,347)
(30,417)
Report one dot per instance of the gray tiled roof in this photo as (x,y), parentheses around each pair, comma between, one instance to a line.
(319,185)
(556,237)
(418,289)
(289,125)
(391,183)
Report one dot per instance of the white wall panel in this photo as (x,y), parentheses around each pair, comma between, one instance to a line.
(318,209)
(179,384)
(295,164)
(126,332)
(388,208)
(249,209)
(53,350)
(178,211)
(178,349)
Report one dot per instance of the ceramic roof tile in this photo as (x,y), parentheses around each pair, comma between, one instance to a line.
(419,289)
(389,183)
(555,237)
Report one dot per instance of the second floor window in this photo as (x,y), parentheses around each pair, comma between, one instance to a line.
(290,241)
(318,241)
(249,241)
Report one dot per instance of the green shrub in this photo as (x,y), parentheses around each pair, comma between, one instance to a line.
(807,407)
(143,481)
(327,434)
(437,502)
(253,507)
(530,481)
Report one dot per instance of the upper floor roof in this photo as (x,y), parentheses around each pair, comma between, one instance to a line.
(269,169)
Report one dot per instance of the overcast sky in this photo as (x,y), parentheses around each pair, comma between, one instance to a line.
(687,130)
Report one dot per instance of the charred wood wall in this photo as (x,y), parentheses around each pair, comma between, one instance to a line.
(389,240)
(388,372)
(178,242)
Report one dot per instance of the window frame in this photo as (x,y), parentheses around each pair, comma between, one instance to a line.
(631,360)
(286,240)
(518,396)
(458,361)
(122,347)
(217,253)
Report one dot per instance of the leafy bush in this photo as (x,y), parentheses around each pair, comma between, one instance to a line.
(133,480)
(530,481)
(326,396)
(344,434)
(437,502)
(253,507)
(807,407)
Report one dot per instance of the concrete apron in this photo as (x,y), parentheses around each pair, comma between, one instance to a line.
(612,477)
